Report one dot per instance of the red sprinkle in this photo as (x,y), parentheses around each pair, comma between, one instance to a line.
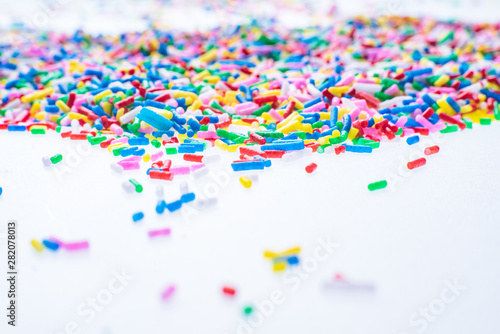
(192,157)
(159,175)
(431,150)
(311,167)
(229,291)
(416,163)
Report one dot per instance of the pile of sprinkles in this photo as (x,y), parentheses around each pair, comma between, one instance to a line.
(258,91)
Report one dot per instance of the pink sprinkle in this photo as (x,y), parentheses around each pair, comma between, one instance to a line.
(346,81)
(156,156)
(274,114)
(155,233)
(129,165)
(180,170)
(168,292)
(130,159)
(123,140)
(196,167)
(207,134)
(401,121)
(392,90)
(75,246)
(116,129)
(422,120)
(249,81)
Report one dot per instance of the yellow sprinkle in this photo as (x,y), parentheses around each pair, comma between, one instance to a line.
(245,181)
(208,56)
(352,133)
(146,157)
(442,80)
(279,266)
(233,148)
(101,95)
(338,90)
(120,113)
(213,79)
(37,245)
(36,107)
(220,144)
(465,109)
(275,92)
(40,116)
(107,107)
(271,255)
(200,76)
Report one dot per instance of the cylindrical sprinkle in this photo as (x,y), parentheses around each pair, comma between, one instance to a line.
(56,158)
(168,292)
(245,181)
(160,232)
(137,185)
(416,163)
(377,185)
(137,216)
(431,150)
(311,167)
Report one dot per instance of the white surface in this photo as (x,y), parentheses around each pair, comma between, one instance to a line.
(436,225)
(440,223)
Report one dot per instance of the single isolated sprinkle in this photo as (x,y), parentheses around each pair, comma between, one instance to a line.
(137,216)
(311,167)
(245,181)
(431,150)
(377,185)
(416,163)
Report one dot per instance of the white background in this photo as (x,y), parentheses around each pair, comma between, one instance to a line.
(434,225)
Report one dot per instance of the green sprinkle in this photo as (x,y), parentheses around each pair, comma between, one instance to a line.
(56,158)
(137,185)
(485,121)
(377,185)
(37,131)
(496,111)
(451,128)
(248,310)
(171,150)
(262,110)
(155,143)
(116,151)
(317,125)
(96,140)
(382,96)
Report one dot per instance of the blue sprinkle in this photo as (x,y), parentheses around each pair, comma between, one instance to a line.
(293,260)
(174,206)
(358,148)
(53,246)
(189,197)
(412,140)
(137,216)
(139,141)
(14,127)
(248,165)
